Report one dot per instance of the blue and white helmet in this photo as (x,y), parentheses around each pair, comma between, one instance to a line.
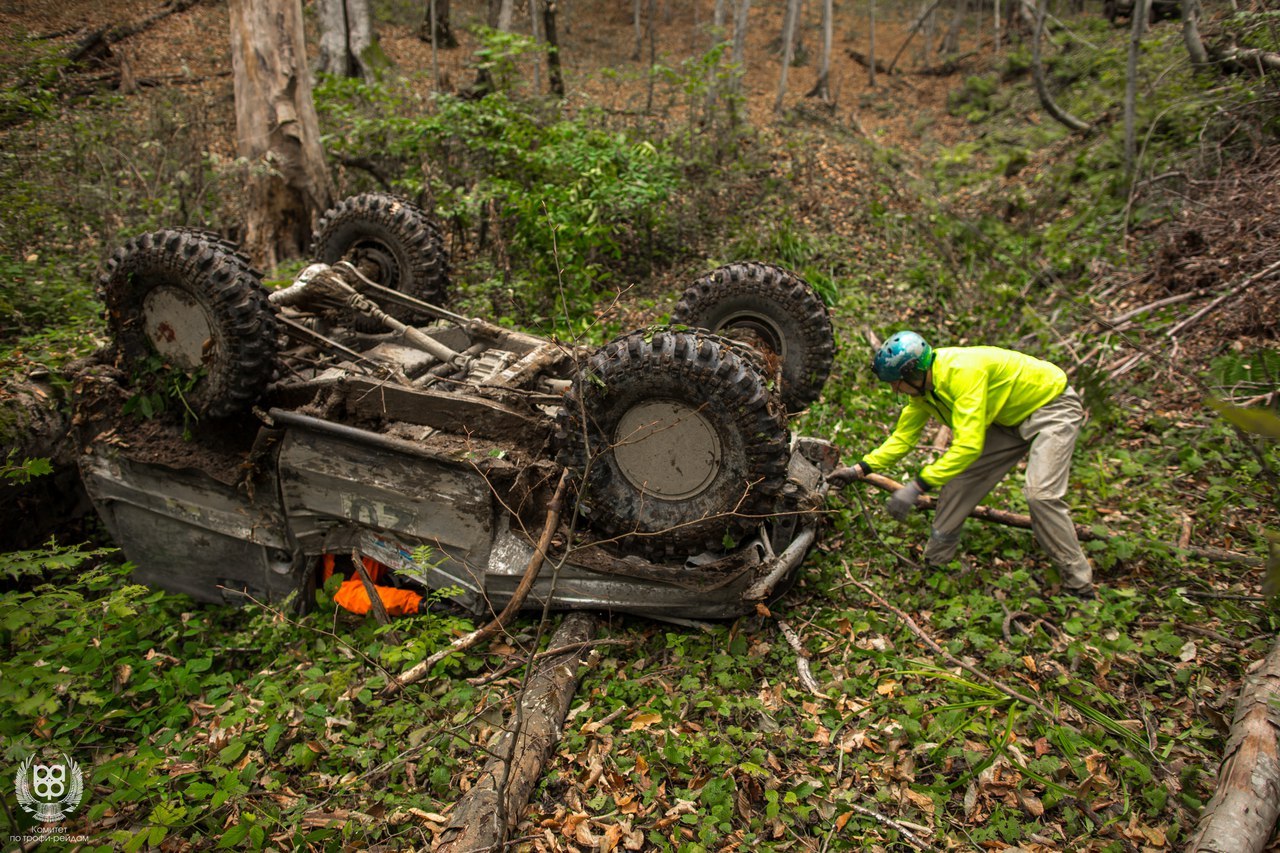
(906,355)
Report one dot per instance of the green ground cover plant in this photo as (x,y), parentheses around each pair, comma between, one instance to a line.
(256,727)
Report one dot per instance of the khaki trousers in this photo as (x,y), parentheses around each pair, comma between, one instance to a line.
(1047,438)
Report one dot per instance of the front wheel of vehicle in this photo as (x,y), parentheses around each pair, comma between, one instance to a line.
(775,311)
(393,243)
(676,443)
(182,303)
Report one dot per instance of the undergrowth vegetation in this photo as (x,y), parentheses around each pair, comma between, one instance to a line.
(254,726)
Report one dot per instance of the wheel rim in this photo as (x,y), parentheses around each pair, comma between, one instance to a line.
(754,329)
(667,449)
(377,262)
(178,326)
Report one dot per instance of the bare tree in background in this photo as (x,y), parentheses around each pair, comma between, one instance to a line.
(740,43)
(441,34)
(871,48)
(1037,75)
(788,48)
(822,88)
(555,76)
(348,46)
(277,130)
(1131,86)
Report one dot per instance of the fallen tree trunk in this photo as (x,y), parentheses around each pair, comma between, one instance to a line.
(842,476)
(481,820)
(1242,815)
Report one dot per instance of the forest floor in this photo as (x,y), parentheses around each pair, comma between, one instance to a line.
(1229,229)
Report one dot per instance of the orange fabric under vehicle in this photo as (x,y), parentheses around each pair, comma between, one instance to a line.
(353,596)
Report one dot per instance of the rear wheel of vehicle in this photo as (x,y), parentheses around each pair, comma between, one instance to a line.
(392,242)
(675,440)
(184,299)
(773,310)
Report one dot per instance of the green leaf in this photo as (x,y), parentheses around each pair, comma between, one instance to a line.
(234,835)
(229,753)
(1257,421)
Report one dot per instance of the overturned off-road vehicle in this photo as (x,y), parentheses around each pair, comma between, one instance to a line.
(352,414)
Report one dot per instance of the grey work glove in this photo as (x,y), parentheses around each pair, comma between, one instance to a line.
(903,500)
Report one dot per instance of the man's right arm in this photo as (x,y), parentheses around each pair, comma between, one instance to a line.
(903,440)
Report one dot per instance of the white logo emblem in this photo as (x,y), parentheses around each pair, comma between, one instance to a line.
(49,791)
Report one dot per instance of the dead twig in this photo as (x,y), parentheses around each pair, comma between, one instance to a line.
(843,476)
(419,670)
(802,657)
(952,659)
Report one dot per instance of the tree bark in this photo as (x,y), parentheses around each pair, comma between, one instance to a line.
(482,819)
(1131,86)
(871,48)
(555,76)
(822,87)
(441,35)
(788,45)
(348,46)
(843,476)
(1191,32)
(1042,87)
(1242,814)
(740,43)
(277,130)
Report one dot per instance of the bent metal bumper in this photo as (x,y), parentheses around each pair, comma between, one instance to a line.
(332,488)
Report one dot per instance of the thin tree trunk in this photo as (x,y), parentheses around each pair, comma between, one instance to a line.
(871,48)
(1042,87)
(277,130)
(436,27)
(482,819)
(717,39)
(995,24)
(1242,815)
(653,52)
(535,30)
(788,34)
(920,20)
(822,88)
(1191,32)
(555,77)
(635,13)
(951,43)
(506,11)
(740,44)
(1139,20)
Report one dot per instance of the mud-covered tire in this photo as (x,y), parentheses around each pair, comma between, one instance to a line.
(771,307)
(683,445)
(186,297)
(393,242)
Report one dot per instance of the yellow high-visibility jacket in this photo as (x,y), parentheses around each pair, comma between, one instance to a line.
(973,387)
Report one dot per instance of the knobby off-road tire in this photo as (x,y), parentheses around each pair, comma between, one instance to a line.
(190,299)
(391,241)
(675,442)
(771,308)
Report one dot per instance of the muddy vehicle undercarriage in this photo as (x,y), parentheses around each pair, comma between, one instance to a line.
(351,414)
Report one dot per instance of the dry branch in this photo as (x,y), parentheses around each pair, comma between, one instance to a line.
(1242,814)
(952,659)
(419,670)
(522,749)
(842,476)
(802,657)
